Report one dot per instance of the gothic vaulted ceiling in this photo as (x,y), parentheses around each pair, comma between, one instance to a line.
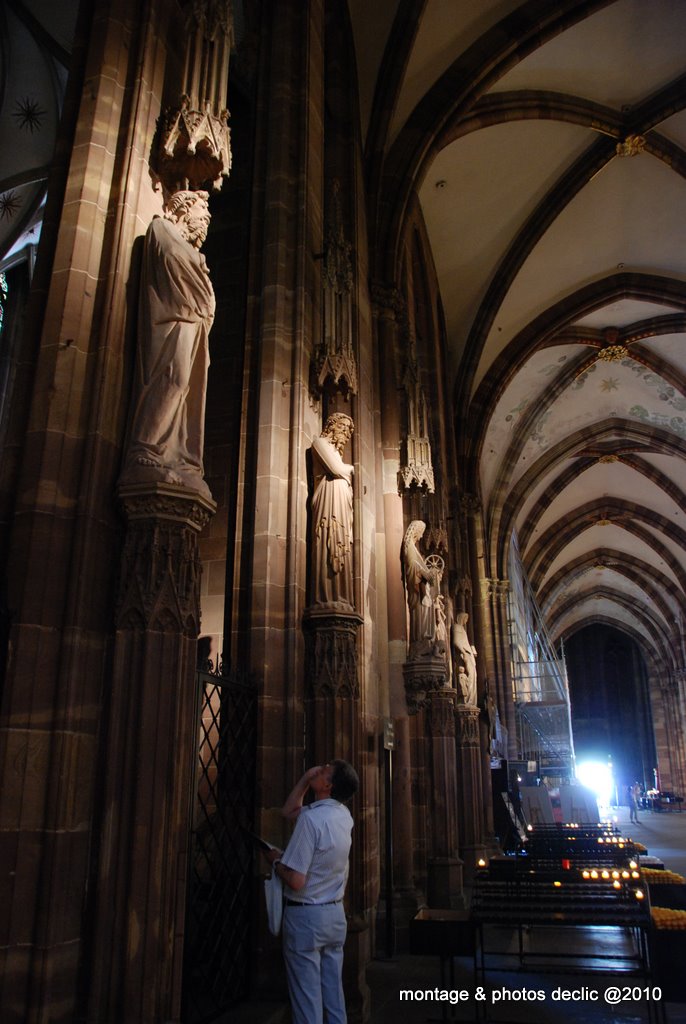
(547,143)
(35,43)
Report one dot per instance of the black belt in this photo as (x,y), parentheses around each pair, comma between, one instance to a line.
(299,903)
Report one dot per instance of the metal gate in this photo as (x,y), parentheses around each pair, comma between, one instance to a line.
(219,908)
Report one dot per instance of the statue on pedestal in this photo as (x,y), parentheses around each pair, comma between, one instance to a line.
(493,719)
(426,604)
(465,660)
(176,312)
(332,514)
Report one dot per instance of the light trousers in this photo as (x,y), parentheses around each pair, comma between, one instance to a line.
(313,938)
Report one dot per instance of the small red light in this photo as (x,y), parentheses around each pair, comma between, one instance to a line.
(566,864)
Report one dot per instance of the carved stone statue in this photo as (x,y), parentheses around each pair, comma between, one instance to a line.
(493,719)
(465,659)
(176,313)
(419,578)
(332,513)
(444,618)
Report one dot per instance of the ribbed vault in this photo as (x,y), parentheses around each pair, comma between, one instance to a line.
(547,144)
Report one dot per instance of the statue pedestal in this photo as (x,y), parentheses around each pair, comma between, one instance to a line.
(423,675)
(138,937)
(331,682)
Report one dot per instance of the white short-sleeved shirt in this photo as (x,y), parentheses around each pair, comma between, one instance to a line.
(319,848)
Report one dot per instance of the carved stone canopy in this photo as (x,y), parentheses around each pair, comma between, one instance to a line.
(334,362)
(416,468)
(193,148)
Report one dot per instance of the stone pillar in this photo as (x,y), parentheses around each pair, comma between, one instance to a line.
(470,509)
(387,309)
(63,537)
(138,935)
(444,865)
(497,594)
(469,761)
(332,730)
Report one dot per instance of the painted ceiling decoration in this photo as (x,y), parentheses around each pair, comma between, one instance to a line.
(547,144)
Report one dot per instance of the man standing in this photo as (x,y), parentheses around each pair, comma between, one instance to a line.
(314,870)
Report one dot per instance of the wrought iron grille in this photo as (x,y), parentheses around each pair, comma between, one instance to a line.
(219,909)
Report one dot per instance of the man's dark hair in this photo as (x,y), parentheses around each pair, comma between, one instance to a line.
(344,781)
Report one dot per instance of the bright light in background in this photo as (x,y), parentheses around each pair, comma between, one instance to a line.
(598,778)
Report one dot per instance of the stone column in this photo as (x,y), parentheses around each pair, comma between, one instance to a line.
(387,310)
(138,938)
(444,865)
(332,713)
(470,509)
(497,594)
(469,761)
(63,537)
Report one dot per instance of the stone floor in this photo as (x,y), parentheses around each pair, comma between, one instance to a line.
(665,836)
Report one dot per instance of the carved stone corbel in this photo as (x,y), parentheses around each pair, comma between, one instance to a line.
(422,678)
(160,573)
(494,588)
(469,505)
(387,302)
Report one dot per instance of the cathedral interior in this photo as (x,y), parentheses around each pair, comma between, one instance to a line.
(417,500)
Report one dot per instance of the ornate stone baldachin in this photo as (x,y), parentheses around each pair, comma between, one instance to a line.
(334,359)
(193,147)
(436,538)
(416,467)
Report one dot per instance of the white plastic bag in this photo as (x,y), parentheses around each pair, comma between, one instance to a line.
(273,892)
